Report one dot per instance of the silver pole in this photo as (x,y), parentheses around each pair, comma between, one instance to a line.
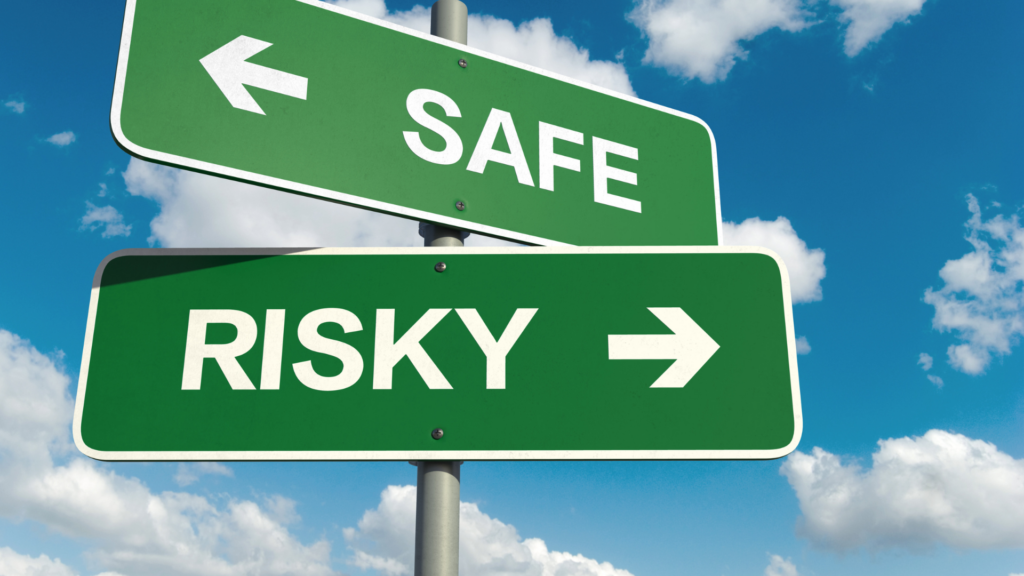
(449,20)
(437,518)
(437,482)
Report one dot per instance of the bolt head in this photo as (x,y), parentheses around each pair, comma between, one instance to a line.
(436,433)
(462,62)
(440,266)
(460,205)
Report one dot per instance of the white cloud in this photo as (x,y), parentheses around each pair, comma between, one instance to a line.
(203,211)
(14,564)
(374,8)
(389,533)
(701,38)
(190,473)
(134,531)
(105,217)
(867,20)
(387,566)
(487,546)
(36,405)
(941,488)
(281,509)
(802,345)
(936,380)
(779,566)
(62,139)
(103,190)
(16,106)
(982,301)
(533,42)
(968,359)
(806,266)
(705,38)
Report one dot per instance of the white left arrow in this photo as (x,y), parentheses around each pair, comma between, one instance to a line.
(228,67)
(689,345)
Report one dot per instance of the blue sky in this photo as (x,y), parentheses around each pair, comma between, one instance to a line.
(870,140)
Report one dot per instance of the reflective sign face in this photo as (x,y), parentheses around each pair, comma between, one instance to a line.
(362,354)
(309,98)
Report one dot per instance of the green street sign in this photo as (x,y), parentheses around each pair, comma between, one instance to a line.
(449,354)
(306,97)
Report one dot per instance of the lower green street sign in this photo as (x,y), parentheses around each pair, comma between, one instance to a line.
(452,354)
(306,97)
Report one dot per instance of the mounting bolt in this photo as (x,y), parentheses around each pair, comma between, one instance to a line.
(436,433)
(460,205)
(440,266)
(462,62)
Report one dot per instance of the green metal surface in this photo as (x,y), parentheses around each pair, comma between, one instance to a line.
(562,391)
(347,135)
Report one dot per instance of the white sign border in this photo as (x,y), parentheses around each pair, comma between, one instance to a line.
(359,201)
(399,455)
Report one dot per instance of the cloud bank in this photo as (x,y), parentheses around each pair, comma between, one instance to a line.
(384,541)
(133,530)
(701,38)
(14,564)
(940,488)
(982,301)
(704,39)
(189,474)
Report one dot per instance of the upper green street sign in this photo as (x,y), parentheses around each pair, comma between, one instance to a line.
(306,97)
(514,354)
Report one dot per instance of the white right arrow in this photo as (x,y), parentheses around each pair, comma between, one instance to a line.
(228,67)
(689,345)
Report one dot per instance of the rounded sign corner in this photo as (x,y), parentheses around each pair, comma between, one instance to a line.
(85,448)
(117,132)
(798,433)
(97,280)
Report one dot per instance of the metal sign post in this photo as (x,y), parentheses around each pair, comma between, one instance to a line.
(448,20)
(438,482)
(437,518)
